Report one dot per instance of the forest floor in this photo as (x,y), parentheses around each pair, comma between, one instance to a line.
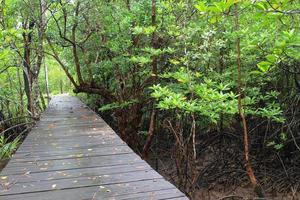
(217,192)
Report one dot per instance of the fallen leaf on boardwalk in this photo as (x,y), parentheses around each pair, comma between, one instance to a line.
(27,173)
(53,186)
(4,177)
(90,149)
(51,126)
(101,187)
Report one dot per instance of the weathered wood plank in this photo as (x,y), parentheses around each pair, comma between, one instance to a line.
(70,153)
(79,162)
(78,182)
(74,173)
(113,191)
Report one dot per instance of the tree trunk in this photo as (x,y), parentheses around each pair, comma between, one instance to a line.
(47,82)
(27,75)
(151,130)
(61,86)
(248,165)
(40,57)
(21,109)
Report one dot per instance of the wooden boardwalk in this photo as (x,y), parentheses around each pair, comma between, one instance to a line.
(72,154)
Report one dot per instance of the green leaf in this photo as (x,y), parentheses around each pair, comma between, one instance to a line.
(213,20)
(272,143)
(201,7)
(261,6)
(271,58)
(264,66)
(278,146)
(174,62)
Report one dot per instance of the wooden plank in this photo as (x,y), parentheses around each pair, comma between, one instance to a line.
(70,153)
(73,143)
(74,146)
(70,132)
(95,192)
(78,182)
(80,162)
(74,173)
(70,156)
(69,143)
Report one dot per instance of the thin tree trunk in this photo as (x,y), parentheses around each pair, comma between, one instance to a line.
(61,86)
(21,109)
(248,165)
(150,134)
(47,82)
(27,75)
(74,48)
(2,6)
(43,100)
(151,130)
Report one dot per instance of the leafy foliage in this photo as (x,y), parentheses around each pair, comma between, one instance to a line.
(8,148)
